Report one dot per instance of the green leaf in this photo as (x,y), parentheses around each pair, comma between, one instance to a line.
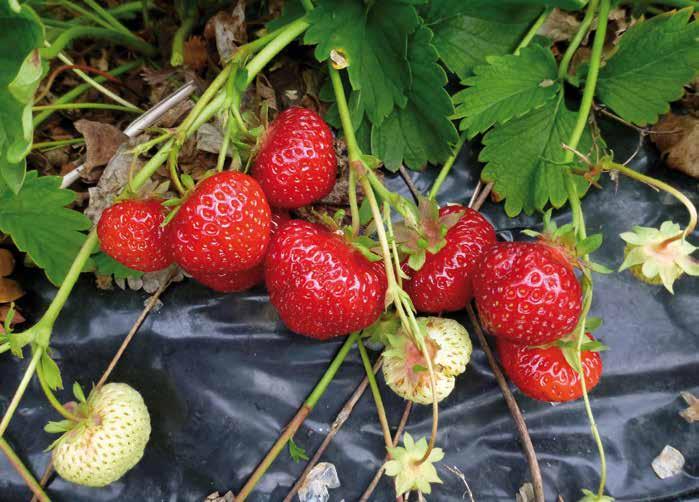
(78,393)
(41,226)
(21,69)
(297,453)
(592,323)
(420,132)
(374,41)
(106,265)
(509,86)
(50,372)
(465,34)
(653,61)
(524,158)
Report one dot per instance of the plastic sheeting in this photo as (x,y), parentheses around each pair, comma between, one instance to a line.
(222,376)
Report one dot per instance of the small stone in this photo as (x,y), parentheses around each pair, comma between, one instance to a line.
(669,463)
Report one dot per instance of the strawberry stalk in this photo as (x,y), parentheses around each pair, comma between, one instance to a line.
(577,39)
(206,108)
(609,165)
(576,208)
(23,471)
(446,167)
(299,418)
(51,397)
(399,297)
(378,401)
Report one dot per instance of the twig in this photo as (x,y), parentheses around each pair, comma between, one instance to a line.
(152,302)
(60,69)
(45,477)
(482,196)
(339,421)
(409,181)
(396,438)
(456,472)
(513,407)
(475,193)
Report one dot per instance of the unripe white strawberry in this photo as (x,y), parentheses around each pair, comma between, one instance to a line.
(108,441)
(405,368)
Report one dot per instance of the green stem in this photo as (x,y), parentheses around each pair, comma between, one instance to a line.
(52,397)
(228,133)
(174,175)
(75,32)
(626,171)
(109,18)
(23,471)
(577,214)
(378,401)
(531,33)
(444,171)
(577,39)
(307,5)
(5,347)
(79,90)
(92,81)
(298,419)
(50,145)
(89,106)
(678,3)
(177,56)
(353,150)
(26,378)
(274,47)
(85,13)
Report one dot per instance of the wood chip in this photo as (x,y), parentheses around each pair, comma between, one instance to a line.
(669,463)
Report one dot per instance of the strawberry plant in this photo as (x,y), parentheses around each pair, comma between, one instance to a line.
(405,83)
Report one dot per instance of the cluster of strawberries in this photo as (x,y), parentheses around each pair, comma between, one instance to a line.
(233,231)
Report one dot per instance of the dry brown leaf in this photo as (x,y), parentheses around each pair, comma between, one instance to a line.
(559,26)
(690,414)
(677,138)
(10,290)
(228,30)
(195,53)
(7,262)
(17,318)
(101,141)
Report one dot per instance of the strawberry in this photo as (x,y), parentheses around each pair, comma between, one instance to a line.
(130,232)
(527,292)
(405,368)
(108,441)
(233,282)
(222,227)
(443,283)
(544,373)
(296,164)
(321,286)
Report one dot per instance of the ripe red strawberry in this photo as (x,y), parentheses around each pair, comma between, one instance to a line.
(233,282)
(296,164)
(527,292)
(319,284)
(444,283)
(130,232)
(544,374)
(222,227)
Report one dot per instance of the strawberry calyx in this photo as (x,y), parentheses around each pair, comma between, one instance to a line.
(568,345)
(409,469)
(659,255)
(565,241)
(424,234)
(367,246)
